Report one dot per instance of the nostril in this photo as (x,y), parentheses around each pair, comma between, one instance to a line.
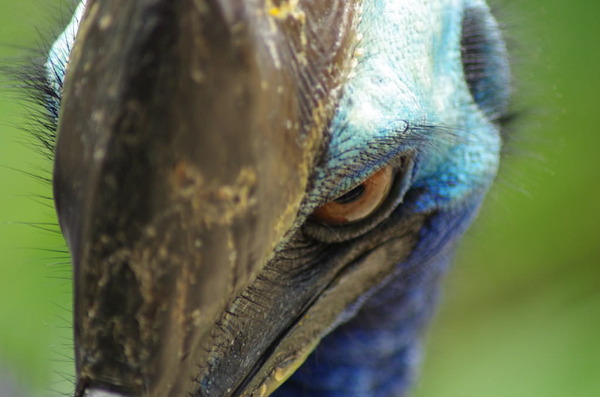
(102,393)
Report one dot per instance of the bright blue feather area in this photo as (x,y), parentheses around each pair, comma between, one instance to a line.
(58,58)
(407,94)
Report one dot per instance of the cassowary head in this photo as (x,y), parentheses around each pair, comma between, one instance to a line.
(263,194)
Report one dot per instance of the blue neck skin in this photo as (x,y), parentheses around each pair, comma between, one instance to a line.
(376,353)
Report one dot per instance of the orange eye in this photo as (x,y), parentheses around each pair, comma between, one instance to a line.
(359,202)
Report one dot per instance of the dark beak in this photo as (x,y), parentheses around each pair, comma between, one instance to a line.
(174,180)
(188,133)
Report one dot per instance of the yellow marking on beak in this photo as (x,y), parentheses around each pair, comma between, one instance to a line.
(286,369)
(263,390)
(287,9)
(275,12)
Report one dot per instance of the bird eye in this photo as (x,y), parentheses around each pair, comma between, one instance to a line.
(358,203)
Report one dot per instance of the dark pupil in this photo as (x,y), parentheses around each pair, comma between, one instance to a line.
(351,196)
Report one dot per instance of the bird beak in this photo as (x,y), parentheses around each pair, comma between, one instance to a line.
(185,145)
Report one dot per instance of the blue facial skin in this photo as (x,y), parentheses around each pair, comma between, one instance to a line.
(56,64)
(408,95)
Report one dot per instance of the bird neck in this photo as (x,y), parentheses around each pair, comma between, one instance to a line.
(375,353)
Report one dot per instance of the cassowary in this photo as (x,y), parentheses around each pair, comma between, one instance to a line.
(260,197)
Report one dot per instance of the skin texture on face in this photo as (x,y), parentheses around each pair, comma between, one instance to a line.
(197,139)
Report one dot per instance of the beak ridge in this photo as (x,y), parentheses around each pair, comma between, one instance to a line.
(188,132)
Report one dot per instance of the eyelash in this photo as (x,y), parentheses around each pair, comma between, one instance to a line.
(42,95)
(42,80)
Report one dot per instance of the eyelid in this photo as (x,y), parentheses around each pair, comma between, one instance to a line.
(375,190)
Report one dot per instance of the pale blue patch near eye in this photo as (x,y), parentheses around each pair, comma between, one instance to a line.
(409,73)
(59,54)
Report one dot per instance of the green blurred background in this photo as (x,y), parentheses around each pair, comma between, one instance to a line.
(521,309)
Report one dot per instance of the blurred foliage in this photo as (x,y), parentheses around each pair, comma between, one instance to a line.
(35,288)
(521,308)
